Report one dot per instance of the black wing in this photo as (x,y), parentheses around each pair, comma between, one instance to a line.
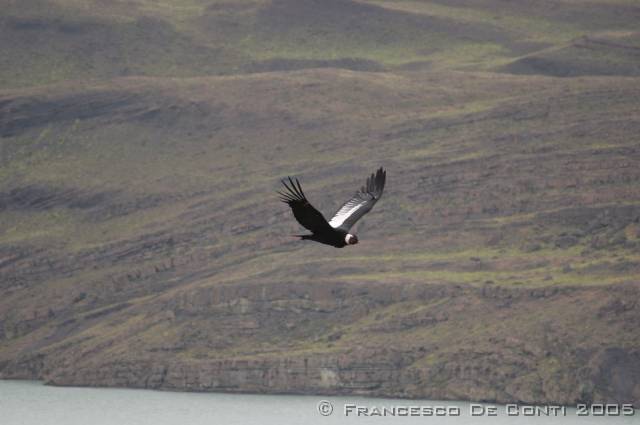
(361,203)
(303,211)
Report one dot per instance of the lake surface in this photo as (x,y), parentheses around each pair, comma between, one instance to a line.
(32,403)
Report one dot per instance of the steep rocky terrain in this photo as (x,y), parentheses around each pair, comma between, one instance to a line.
(142,244)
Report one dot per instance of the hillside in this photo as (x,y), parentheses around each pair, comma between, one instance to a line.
(142,243)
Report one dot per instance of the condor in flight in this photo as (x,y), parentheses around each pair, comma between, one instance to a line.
(336,231)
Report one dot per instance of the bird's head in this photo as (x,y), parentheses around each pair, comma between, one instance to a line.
(351,239)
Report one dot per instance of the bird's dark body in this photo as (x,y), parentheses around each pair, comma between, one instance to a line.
(335,238)
(336,231)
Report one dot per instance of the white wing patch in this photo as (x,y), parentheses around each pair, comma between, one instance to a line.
(345,212)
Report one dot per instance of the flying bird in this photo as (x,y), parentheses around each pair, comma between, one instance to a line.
(334,232)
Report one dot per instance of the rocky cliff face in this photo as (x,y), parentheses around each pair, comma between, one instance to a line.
(544,345)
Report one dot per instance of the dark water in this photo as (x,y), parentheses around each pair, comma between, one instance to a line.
(31,403)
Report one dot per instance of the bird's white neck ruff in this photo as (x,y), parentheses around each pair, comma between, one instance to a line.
(348,238)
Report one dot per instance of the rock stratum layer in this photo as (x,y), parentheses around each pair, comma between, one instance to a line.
(565,345)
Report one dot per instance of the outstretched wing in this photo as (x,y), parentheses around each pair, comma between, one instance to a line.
(303,211)
(361,203)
